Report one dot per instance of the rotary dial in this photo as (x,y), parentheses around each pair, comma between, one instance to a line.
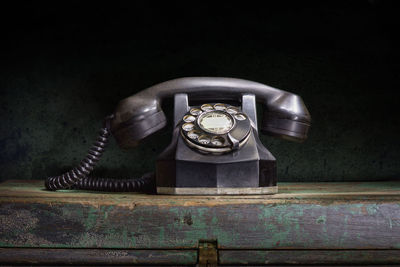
(215,128)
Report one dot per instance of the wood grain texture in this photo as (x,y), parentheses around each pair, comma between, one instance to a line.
(303,216)
(34,191)
(309,257)
(96,256)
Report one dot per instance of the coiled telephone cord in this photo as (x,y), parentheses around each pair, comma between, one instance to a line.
(78,177)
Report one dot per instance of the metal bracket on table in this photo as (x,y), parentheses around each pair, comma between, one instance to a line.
(208,253)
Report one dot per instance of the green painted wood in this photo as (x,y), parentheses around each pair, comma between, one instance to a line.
(96,256)
(309,257)
(303,216)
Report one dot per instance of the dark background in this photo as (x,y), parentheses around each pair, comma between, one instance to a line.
(63,67)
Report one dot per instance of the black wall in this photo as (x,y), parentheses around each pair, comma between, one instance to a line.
(63,67)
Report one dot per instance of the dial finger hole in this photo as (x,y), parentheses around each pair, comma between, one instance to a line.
(217,141)
(240,117)
(195,111)
(193,134)
(232,110)
(207,107)
(188,126)
(220,106)
(204,139)
(189,118)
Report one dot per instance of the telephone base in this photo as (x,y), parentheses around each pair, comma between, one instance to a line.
(217,190)
(249,169)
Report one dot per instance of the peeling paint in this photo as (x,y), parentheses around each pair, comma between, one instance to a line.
(237,223)
(321,219)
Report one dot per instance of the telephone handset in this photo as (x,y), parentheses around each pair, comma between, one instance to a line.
(215,147)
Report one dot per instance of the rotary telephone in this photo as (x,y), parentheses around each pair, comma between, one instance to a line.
(215,147)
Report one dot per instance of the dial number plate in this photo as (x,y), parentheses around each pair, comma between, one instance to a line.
(216,122)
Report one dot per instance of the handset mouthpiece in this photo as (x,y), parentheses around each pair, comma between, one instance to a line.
(287,117)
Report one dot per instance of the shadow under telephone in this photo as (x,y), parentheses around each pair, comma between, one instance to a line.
(215,147)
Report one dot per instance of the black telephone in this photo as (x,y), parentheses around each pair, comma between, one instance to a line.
(215,147)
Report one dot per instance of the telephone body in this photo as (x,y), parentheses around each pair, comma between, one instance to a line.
(215,147)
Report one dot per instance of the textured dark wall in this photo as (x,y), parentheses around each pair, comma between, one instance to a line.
(65,66)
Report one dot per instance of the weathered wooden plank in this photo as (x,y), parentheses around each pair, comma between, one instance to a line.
(309,257)
(33,191)
(96,256)
(296,226)
(189,257)
(347,219)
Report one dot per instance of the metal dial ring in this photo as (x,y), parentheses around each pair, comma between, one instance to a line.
(216,150)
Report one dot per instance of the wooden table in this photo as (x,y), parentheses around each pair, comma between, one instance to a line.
(306,223)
